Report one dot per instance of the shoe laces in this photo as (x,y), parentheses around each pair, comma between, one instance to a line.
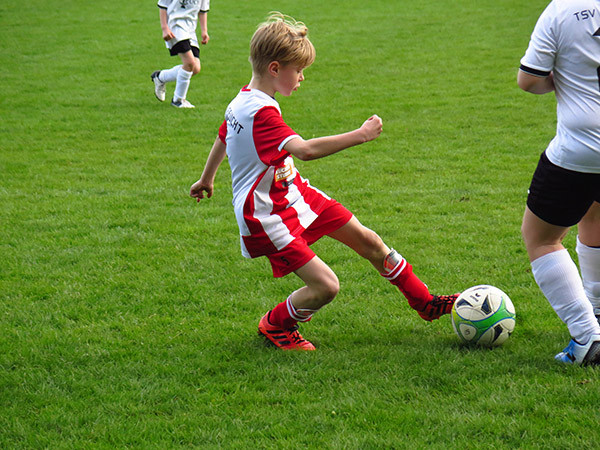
(295,335)
(438,305)
(442,300)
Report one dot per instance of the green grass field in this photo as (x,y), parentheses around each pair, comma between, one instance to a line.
(127,314)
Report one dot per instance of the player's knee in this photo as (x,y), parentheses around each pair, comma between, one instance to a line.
(191,66)
(196,69)
(329,289)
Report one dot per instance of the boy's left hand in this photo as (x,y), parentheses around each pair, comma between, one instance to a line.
(205,38)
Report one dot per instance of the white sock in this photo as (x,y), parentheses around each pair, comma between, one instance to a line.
(589,263)
(169,75)
(557,276)
(183,83)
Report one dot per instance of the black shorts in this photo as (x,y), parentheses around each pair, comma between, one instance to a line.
(559,196)
(184,46)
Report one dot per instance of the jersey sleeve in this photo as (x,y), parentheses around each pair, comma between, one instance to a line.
(270,134)
(164,4)
(204,6)
(223,132)
(541,53)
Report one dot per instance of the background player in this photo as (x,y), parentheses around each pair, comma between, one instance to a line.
(279,213)
(564,56)
(178,20)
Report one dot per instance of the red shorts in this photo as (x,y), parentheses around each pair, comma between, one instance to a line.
(297,253)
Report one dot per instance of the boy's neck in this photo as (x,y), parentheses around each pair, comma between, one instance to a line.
(262,84)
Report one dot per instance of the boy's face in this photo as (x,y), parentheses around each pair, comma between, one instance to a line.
(289,79)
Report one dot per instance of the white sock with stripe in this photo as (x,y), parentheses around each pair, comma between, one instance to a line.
(393,264)
(300,315)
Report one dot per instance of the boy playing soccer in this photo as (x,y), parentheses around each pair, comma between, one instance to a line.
(178,20)
(279,213)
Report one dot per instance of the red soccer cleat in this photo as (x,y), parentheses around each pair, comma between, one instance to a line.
(438,306)
(289,339)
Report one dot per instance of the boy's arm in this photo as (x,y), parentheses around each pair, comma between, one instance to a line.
(203,22)
(206,181)
(164,25)
(535,84)
(327,145)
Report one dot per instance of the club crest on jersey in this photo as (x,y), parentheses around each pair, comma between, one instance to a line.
(185,3)
(286,173)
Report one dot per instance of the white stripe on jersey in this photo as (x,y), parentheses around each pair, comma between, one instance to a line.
(305,215)
(274,227)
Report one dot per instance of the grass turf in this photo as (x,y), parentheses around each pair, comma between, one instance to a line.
(128,317)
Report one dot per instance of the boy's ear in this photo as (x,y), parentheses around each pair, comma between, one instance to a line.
(273,68)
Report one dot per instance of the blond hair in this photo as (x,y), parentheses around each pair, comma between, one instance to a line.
(283,39)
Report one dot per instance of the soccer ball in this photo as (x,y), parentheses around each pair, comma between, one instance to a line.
(483,315)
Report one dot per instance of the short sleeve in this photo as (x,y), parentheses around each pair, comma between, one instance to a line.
(541,53)
(270,134)
(204,5)
(223,132)
(164,4)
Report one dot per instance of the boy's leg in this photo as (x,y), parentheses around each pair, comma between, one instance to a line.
(280,324)
(181,74)
(190,65)
(169,75)
(161,78)
(394,268)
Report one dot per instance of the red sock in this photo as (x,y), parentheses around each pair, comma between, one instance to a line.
(280,316)
(410,285)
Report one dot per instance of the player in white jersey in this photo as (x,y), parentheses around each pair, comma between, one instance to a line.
(279,213)
(564,56)
(178,20)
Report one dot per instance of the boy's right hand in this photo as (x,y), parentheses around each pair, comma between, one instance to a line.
(167,34)
(199,188)
(372,127)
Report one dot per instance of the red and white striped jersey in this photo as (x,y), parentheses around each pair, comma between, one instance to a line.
(273,204)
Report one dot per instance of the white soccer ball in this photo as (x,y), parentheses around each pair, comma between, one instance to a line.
(483,315)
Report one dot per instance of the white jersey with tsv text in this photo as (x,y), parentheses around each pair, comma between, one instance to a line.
(566,41)
(183,18)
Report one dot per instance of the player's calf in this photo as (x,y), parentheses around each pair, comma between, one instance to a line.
(399,272)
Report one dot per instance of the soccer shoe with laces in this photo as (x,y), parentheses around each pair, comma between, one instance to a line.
(289,339)
(437,307)
(576,353)
(183,103)
(159,87)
